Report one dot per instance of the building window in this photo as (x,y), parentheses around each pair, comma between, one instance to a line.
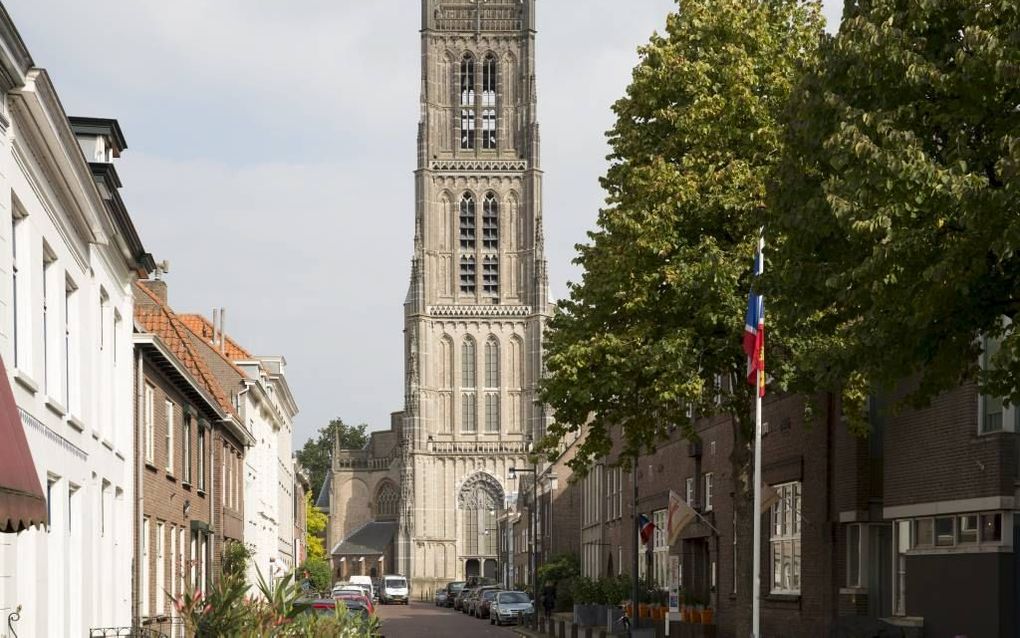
(708,491)
(994,415)
(150,424)
(16,219)
(467,102)
(490,222)
(467,222)
(467,363)
(945,531)
(468,274)
(160,567)
(991,527)
(785,540)
(169,407)
(469,409)
(186,448)
(173,568)
(145,566)
(72,500)
(491,413)
(968,528)
(489,79)
(47,288)
(201,457)
(855,566)
(614,493)
(490,275)
(479,506)
(70,365)
(386,503)
(660,550)
(492,363)
(689,490)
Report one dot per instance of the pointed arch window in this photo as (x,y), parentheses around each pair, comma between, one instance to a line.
(467,364)
(469,412)
(490,222)
(489,79)
(387,502)
(492,413)
(468,274)
(490,275)
(468,231)
(467,102)
(492,363)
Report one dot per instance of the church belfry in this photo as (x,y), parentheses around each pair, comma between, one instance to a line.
(477,302)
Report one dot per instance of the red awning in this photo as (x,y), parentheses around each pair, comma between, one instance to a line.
(22,503)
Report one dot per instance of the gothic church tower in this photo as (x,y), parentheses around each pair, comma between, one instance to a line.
(478,297)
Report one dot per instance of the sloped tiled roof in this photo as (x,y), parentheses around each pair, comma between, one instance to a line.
(368,540)
(204,328)
(157,318)
(325,493)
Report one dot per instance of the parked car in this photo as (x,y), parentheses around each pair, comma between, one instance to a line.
(476,599)
(367,582)
(509,606)
(357,594)
(452,591)
(484,601)
(462,596)
(441,596)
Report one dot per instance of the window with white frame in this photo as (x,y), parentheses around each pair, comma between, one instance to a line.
(708,491)
(614,493)
(201,457)
(489,84)
(963,531)
(172,590)
(160,567)
(467,102)
(169,407)
(660,549)
(48,270)
(16,286)
(70,371)
(186,449)
(784,539)
(689,491)
(150,423)
(994,415)
(145,567)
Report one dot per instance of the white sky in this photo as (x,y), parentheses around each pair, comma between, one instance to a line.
(271,150)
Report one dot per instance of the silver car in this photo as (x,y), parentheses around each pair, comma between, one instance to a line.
(510,606)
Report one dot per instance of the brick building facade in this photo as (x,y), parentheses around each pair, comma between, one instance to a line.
(887,526)
(190,456)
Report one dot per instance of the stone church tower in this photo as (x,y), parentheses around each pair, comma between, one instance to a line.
(477,303)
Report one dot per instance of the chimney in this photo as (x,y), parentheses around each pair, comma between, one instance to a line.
(223,337)
(157,287)
(215,326)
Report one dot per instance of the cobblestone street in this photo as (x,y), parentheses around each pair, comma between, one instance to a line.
(425,619)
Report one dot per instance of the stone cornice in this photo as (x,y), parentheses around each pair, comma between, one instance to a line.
(479,311)
(479,166)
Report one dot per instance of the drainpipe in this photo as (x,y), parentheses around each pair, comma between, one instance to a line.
(210,475)
(136,577)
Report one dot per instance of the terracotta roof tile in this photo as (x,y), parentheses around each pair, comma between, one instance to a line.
(204,328)
(157,318)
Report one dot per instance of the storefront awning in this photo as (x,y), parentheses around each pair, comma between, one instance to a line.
(22,504)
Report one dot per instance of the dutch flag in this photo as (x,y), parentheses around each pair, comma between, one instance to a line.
(754,327)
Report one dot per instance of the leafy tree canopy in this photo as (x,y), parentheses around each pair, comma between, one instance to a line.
(895,207)
(315,455)
(315,522)
(660,309)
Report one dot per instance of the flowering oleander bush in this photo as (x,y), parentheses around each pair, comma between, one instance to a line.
(228,609)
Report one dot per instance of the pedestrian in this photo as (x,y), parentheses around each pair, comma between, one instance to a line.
(548,598)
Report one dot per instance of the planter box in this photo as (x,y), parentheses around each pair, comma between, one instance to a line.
(589,615)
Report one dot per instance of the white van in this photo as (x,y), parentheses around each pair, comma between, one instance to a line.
(366,582)
(394,590)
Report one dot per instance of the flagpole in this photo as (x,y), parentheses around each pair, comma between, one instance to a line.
(756,517)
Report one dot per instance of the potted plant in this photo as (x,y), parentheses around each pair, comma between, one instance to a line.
(707,615)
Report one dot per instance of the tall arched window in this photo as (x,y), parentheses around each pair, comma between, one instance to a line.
(490,244)
(467,364)
(467,102)
(489,79)
(492,363)
(469,412)
(387,501)
(468,242)
(480,500)
(492,412)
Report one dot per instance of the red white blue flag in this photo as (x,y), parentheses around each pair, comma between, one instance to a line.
(754,327)
(646,527)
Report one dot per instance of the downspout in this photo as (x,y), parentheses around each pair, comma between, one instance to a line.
(136,577)
(211,477)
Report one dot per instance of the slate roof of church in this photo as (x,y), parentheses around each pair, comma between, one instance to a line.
(368,540)
(322,502)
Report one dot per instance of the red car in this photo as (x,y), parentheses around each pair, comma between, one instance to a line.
(356,596)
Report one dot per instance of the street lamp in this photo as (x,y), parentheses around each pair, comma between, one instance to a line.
(533,515)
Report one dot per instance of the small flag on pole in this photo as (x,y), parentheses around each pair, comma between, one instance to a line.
(678,516)
(754,327)
(646,528)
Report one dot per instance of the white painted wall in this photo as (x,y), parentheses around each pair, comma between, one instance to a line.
(76,575)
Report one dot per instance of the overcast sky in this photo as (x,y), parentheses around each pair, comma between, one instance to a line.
(271,150)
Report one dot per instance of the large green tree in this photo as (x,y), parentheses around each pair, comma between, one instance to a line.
(896,208)
(317,451)
(659,312)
